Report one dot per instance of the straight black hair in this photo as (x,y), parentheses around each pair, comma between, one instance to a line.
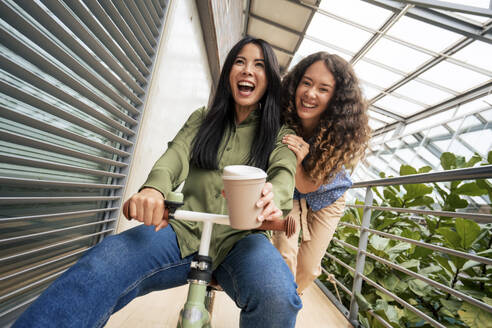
(222,113)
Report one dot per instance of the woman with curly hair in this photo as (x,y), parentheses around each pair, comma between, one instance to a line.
(323,103)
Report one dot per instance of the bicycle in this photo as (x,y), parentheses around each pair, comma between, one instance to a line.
(197,310)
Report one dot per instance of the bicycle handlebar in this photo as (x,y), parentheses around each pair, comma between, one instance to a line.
(288,225)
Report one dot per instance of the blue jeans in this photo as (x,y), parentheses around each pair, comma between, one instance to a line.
(140,260)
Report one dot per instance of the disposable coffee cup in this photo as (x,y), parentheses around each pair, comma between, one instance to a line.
(242,188)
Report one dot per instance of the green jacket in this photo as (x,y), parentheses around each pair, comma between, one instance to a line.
(203,188)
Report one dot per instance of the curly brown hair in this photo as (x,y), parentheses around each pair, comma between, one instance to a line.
(343,132)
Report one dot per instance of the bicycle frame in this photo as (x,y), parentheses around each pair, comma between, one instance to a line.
(196,312)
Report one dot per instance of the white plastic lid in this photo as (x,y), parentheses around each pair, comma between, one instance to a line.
(242,172)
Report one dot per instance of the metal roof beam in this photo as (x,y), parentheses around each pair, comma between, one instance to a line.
(377,36)
(444,5)
(463,98)
(384,112)
(246,18)
(301,37)
(433,17)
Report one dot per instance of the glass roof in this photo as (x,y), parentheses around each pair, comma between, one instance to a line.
(413,62)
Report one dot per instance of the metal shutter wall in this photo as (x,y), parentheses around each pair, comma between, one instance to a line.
(73,79)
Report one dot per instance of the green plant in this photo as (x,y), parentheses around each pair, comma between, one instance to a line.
(469,277)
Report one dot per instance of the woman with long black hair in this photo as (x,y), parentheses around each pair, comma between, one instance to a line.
(241,127)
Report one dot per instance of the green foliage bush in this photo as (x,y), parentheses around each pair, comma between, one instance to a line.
(469,277)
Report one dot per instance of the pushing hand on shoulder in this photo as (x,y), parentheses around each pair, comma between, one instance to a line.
(297,145)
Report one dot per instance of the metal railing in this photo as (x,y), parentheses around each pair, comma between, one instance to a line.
(483,172)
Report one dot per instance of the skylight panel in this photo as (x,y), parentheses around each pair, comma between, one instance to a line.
(438,131)
(442,145)
(418,162)
(427,122)
(374,125)
(410,139)
(477,53)
(481,140)
(376,162)
(395,164)
(381,117)
(423,93)
(457,147)
(430,157)
(364,13)
(308,47)
(398,106)
(394,143)
(405,153)
(375,74)
(335,32)
(487,115)
(368,91)
(454,77)
(397,55)
(475,105)
(422,34)
(469,122)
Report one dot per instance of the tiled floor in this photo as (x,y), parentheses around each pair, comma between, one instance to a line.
(160,309)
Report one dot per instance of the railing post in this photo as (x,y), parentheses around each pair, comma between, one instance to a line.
(361,257)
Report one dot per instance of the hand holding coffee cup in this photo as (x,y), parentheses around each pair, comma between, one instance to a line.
(249,198)
(270,210)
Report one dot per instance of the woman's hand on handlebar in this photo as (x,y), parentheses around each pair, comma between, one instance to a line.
(270,210)
(146,206)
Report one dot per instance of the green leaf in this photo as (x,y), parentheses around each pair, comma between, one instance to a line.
(390,282)
(454,201)
(407,170)
(425,169)
(471,189)
(411,264)
(452,305)
(368,268)
(389,312)
(378,242)
(459,262)
(470,264)
(364,305)
(460,162)
(448,161)
(421,201)
(383,296)
(431,225)
(468,231)
(430,269)
(450,236)
(422,252)
(386,223)
(484,184)
(398,248)
(486,253)
(475,317)
(416,190)
(354,241)
(419,287)
(489,157)
(473,160)
(411,234)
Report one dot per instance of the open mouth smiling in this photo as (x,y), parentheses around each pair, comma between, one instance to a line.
(307,105)
(245,88)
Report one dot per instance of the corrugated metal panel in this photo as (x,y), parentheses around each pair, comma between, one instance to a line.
(73,80)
